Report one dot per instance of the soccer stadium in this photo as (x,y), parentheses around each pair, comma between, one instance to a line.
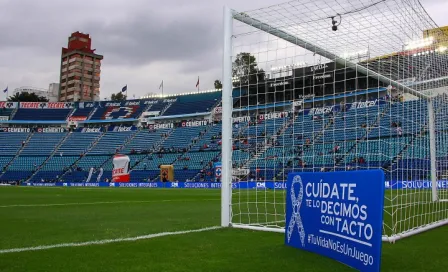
(203,181)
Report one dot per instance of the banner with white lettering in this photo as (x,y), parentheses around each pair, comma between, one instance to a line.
(160,126)
(86,105)
(150,102)
(241,119)
(366,104)
(338,215)
(132,103)
(151,113)
(46,105)
(112,104)
(4,118)
(91,130)
(323,110)
(8,105)
(122,128)
(15,130)
(50,130)
(193,123)
(273,115)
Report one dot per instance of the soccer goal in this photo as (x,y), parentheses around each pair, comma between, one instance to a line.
(335,86)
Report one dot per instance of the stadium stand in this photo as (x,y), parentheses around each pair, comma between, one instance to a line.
(196,103)
(344,138)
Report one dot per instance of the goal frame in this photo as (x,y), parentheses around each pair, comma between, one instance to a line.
(227,109)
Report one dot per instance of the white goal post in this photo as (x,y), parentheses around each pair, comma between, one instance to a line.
(335,86)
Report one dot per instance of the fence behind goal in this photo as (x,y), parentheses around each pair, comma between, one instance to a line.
(336,86)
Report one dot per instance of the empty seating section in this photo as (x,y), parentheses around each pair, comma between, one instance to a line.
(77,143)
(144,140)
(26,163)
(159,106)
(197,103)
(195,160)
(58,163)
(4,161)
(111,142)
(153,161)
(88,162)
(11,143)
(42,114)
(42,144)
(183,137)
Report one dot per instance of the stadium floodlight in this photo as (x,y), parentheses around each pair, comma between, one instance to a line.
(419,43)
(348,108)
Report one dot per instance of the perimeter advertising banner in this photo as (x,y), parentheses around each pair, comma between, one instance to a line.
(8,105)
(338,215)
(46,105)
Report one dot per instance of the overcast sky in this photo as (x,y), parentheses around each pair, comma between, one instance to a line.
(143,41)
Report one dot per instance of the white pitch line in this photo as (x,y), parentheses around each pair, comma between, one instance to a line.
(107,241)
(105,202)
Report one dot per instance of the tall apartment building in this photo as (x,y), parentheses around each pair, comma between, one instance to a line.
(80,70)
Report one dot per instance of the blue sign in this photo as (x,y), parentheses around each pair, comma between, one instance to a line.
(218,170)
(338,215)
(277,185)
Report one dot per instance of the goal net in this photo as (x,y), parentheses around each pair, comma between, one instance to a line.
(335,86)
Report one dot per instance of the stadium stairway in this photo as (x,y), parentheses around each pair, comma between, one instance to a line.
(55,151)
(92,113)
(75,163)
(162,112)
(157,145)
(71,113)
(350,150)
(5,168)
(147,108)
(328,125)
(263,147)
(188,148)
(206,167)
(13,113)
(282,131)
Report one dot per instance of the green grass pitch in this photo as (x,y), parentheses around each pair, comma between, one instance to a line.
(88,214)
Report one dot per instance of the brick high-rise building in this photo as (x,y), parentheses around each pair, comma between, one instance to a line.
(80,70)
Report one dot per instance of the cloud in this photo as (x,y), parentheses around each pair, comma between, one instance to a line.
(143,41)
(145,38)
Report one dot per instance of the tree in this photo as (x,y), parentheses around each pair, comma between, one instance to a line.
(218,84)
(245,69)
(27,97)
(118,97)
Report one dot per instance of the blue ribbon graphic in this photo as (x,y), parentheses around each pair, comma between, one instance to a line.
(295,217)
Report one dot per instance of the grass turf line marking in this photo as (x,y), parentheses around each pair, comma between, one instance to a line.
(107,202)
(107,241)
